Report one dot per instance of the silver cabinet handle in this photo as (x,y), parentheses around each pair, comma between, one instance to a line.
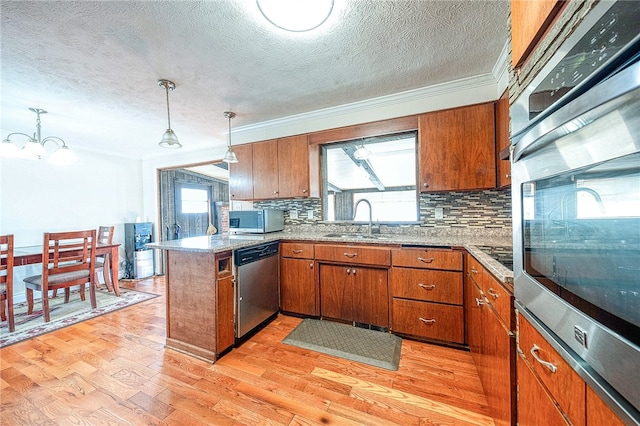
(304,191)
(534,352)
(348,271)
(493,293)
(427,286)
(474,270)
(480,302)
(428,260)
(427,321)
(311,265)
(354,271)
(296,251)
(351,255)
(426,185)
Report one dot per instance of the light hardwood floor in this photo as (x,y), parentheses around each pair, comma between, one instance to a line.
(115,370)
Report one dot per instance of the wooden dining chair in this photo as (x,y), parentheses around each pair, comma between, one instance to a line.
(68,260)
(105,237)
(6,280)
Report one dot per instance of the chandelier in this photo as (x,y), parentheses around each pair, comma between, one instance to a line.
(34,146)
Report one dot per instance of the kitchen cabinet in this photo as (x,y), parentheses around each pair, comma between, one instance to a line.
(503,141)
(529,21)
(426,293)
(241,173)
(298,283)
(490,335)
(285,168)
(200,311)
(353,283)
(457,149)
(560,382)
(550,389)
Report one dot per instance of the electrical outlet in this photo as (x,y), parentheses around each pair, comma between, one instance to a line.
(293,214)
(439,213)
(310,214)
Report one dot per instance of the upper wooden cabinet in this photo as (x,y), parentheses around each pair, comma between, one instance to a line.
(285,168)
(457,149)
(503,141)
(241,173)
(529,21)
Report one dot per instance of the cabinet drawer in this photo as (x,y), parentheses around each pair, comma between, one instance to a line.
(564,384)
(353,254)
(501,300)
(429,320)
(428,258)
(297,250)
(427,285)
(474,270)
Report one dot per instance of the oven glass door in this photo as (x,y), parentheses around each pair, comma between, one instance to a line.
(581,236)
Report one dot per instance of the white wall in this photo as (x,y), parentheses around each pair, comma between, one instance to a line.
(38,197)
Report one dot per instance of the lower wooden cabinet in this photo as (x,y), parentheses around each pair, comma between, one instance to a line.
(354,293)
(599,413)
(298,289)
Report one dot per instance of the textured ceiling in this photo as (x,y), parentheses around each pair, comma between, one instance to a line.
(94,64)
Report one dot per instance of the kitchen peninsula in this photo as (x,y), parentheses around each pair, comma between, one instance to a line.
(200,278)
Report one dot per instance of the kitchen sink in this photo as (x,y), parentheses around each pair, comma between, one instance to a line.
(357,236)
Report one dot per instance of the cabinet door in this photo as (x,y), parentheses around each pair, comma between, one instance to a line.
(598,413)
(503,141)
(535,408)
(336,292)
(529,21)
(498,352)
(225,321)
(265,170)
(293,170)
(298,286)
(457,149)
(241,173)
(371,296)
(473,320)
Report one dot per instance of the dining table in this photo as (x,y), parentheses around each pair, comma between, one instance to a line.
(29,255)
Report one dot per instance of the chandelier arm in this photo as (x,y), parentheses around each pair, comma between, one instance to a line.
(31,138)
(55,140)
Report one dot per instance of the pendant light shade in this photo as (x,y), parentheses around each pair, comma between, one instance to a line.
(229,156)
(169,138)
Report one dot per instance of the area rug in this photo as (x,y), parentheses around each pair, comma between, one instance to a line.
(357,344)
(65,314)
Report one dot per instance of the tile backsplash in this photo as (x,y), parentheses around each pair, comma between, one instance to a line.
(490,209)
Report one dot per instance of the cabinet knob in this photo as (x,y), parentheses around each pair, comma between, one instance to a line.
(426,185)
(311,265)
(508,175)
(275,192)
(304,191)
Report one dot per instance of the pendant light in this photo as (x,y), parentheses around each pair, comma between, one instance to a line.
(362,153)
(169,139)
(229,156)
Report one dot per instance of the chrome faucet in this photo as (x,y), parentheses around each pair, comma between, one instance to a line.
(573,194)
(355,210)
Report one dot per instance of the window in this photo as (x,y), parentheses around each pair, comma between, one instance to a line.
(193,199)
(381,170)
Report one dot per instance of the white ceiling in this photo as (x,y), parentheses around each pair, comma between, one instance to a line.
(94,65)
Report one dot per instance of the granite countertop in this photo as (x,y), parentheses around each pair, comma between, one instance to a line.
(475,243)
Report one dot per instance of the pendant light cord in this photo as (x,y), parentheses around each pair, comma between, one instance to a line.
(166,88)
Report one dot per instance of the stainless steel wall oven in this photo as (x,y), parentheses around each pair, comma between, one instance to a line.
(576,212)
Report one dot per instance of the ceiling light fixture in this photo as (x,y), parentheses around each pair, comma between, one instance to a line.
(296,15)
(229,156)
(169,139)
(362,153)
(34,147)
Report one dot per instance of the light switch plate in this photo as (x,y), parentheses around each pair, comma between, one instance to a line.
(439,213)
(293,214)
(309,214)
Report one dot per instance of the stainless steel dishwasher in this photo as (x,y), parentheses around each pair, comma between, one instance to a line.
(257,286)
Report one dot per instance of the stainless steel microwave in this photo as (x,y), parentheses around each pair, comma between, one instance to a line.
(576,227)
(256,221)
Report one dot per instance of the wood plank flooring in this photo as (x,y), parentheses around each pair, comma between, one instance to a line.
(114,370)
